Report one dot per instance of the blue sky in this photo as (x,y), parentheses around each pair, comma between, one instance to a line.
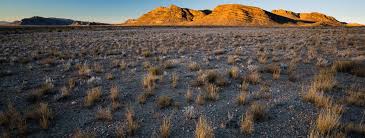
(116,11)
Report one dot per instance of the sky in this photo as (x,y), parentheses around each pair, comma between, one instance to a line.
(117,11)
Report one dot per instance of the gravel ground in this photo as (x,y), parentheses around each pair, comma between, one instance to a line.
(28,59)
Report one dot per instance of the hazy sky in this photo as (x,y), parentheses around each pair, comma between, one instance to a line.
(116,11)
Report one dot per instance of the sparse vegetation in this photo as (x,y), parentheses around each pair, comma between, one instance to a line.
(89,77)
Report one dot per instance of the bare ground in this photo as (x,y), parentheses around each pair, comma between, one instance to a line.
(28,59)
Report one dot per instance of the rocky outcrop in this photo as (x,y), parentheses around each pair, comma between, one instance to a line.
(230,15)
(168,15)
(314,17)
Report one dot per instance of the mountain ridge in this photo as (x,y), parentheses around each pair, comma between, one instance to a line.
(231,15)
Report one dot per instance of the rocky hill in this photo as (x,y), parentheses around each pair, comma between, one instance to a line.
(317,18)
(172,15)
(230,15)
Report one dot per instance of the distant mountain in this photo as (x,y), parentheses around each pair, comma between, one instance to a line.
(36,20)
(231,15)
(4,22)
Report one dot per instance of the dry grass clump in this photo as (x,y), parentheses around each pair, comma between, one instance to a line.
(262,58)
(155,70)
(234,72)
(120,131)
(65,92)
(164,101)
(327,121)
(114,93)
(165,127)
(11,119)
(247,123)
(354,67)
(114,96)
(200,100)
(242,98)
(355,97)
(253,77)
(142,98)
(325,80)
(343,66)
(80,134)
(210,76)
(92,96)
(71,83)
(335,134)
(211,92)
(258,110)
(83,70)
(317,97)
(104,114)
(98,68)
(42,90)
(244,86)
(44,114)
(193,66)
(169,64)
(231,59)
(146,53)
(149,81)
(276,73)
(109,76)
(203,129)
(264,92)
(357,128)
(132,124)
(174,80)
(189,95)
